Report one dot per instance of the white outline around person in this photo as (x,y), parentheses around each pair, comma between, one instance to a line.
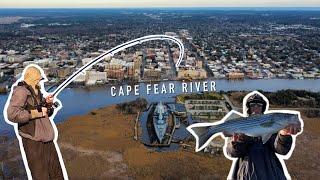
(30,115)
(231,114)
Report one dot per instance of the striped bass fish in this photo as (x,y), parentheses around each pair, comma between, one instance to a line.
(255,126)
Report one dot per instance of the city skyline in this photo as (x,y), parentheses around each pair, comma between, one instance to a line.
(155,3)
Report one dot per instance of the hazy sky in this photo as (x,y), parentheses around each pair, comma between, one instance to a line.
(157,3)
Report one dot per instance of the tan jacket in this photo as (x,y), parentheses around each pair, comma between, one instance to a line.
(31,124)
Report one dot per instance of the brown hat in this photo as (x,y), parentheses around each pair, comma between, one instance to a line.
(32,76)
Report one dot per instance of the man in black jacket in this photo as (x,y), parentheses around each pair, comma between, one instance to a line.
(255,159)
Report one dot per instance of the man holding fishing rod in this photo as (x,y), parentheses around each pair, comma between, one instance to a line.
(31,111)
(255,159)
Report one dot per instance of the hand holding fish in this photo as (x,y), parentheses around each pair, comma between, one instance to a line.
(290,130)
(236,137)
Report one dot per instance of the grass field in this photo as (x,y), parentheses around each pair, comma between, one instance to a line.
(100,145)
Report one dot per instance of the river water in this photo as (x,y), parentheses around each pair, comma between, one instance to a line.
(77,101)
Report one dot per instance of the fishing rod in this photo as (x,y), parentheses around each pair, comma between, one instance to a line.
(116,49)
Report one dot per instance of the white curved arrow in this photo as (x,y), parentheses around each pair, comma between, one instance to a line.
(116,49)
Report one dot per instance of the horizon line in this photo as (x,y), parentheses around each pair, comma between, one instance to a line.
(172,7)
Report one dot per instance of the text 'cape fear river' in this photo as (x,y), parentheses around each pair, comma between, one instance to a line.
(164,88)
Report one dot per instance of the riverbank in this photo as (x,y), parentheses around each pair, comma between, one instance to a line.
(98,146)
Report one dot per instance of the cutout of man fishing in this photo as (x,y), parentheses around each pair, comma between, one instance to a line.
(29,112)
(258,140)
(28,109)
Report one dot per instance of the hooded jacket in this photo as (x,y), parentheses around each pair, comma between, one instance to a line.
(22,109)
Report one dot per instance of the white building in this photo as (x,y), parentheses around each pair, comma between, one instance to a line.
(81,78)
(95,77)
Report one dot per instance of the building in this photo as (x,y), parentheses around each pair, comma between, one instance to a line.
(192,74)
(80,79)
(96,76)
(235,75)
(152,73)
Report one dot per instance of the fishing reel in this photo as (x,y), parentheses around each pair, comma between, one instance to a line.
(49,106)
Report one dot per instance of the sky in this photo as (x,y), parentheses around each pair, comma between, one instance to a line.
(154,3)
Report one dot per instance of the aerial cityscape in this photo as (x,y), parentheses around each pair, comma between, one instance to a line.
(126,117)
(233,45)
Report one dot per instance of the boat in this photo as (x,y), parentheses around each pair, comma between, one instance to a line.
(160,117)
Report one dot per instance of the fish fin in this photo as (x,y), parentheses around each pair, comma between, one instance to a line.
(233,116)
(265,138)
(202,134)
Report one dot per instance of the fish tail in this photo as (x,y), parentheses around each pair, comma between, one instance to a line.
(202,133)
